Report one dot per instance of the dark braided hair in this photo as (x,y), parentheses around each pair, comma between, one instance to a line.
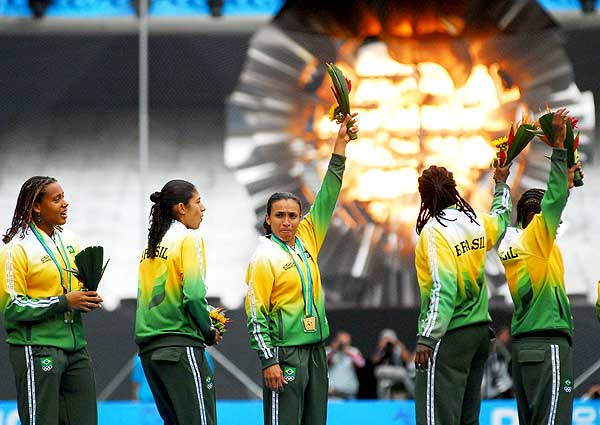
(32,191)
(438,191)
(530,202)
(279,196)
(161,213)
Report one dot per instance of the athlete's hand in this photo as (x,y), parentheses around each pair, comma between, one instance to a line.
(85,301)
(572,173)
(274,378)
(343,137)
(218,337)
(501,173)
(559,127)
(422,356)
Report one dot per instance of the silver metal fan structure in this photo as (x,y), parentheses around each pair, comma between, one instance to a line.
(277,139)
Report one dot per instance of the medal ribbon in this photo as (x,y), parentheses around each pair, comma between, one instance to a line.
(307,290)
(48,250)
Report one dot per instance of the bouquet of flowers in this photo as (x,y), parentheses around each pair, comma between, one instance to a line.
(546,133)
(218,319)
(89,267)
(509,147)
(341,89)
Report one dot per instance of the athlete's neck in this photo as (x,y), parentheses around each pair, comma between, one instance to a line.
(47,228)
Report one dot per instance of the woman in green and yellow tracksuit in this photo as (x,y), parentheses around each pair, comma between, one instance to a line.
(173,323)
(542,325)
(42,303)
(453,335)
(285,306)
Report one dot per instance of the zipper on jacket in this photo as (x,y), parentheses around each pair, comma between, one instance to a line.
(319,319)
(280,325)
(28,332)
(74,337)
(560,309)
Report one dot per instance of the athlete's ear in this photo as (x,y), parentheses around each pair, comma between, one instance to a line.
(268,219)
(178,210)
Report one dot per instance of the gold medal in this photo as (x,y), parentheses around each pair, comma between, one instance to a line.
(310,324)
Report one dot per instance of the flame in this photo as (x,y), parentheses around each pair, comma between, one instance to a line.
(412,116)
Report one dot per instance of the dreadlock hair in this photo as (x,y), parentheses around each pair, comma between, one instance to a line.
(279,196)
(161,213)
(530,202)
(438,191)
(32,191)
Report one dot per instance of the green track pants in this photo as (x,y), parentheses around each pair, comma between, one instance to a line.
(449,391)
(542,370)
(303,400)
(54,386)
(182,385)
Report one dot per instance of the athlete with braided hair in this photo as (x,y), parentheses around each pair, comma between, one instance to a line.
(42,304)
(453,334)
(541,324)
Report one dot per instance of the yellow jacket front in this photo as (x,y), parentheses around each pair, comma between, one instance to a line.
(32,290)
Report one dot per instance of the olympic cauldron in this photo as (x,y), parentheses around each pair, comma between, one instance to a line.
(434,82)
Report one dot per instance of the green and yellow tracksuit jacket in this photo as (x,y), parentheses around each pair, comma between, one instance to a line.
(533,262)
(172,309)
(32,290)
(274,302)
(450,262)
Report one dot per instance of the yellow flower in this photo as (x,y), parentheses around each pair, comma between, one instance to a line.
(332,112)
(500,142)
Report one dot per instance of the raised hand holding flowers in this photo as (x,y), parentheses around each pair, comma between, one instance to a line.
(509,147)
(571,141)
(341,89)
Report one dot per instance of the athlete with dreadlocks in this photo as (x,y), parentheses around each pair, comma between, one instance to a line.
(42,305)
(453,334)
(541,324)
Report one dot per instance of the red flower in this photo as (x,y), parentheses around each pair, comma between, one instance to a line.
(349,83)
(574,122)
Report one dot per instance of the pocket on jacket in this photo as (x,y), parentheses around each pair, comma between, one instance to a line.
(531,356)
(166,354)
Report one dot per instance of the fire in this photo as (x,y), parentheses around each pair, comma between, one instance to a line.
(412,116)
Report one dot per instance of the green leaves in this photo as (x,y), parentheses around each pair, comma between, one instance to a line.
(89,267)
(341,89)
(571,142)
(522,137)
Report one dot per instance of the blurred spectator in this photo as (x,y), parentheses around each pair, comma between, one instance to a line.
(394,367)
(593,393)
(343,359)
(38,7)
(497,382)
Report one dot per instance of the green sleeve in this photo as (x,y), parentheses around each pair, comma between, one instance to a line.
(316,222)
(555,198)
(437,307)
(260,279)
(499,218)
(17,306)
(194,287)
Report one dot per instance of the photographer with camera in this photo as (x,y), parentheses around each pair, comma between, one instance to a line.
(394,368)
(343,359)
